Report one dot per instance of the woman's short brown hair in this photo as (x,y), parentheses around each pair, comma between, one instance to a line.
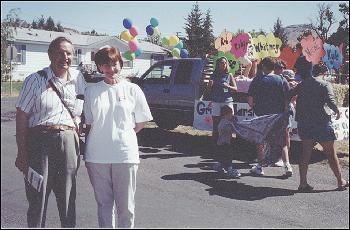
(108,55)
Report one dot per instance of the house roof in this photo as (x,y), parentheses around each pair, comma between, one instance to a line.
(27,35)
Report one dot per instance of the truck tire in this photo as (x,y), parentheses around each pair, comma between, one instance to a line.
(166,124)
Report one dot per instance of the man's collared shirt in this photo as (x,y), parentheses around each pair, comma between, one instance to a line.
(43,105)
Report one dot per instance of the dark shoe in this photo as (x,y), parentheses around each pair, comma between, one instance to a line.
(343,187)
(306,188)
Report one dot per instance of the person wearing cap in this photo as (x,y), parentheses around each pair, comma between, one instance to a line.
(46,134)
(117,109)
(267,94)
(315,102)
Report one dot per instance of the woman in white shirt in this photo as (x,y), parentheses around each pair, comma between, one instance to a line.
(115,110)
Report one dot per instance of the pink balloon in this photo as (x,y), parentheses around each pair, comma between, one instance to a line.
(133,45)
(133,31)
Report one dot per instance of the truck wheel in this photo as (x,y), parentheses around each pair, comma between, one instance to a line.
(165,124)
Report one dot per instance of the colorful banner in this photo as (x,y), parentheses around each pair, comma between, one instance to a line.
(333,58)
(267,46)
(233,62)
(223,42)
(289,57)
(239,45)
(312,49)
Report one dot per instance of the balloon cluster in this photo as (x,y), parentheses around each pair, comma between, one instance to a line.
(177,46)
(129,36)
(152,29)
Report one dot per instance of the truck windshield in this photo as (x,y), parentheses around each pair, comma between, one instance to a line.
(159,75)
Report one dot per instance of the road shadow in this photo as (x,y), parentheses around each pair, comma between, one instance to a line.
(152,141)
(230,188)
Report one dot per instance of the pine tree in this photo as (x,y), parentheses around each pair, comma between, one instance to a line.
(279,31)
(208,36)
(50,24)
(194,40)
(41,22)
(59,27)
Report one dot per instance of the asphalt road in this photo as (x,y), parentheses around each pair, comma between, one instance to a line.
(177,189)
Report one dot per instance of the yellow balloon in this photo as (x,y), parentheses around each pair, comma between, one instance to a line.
(126,36)
(173,40)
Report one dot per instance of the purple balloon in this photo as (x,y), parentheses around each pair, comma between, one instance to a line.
(150,30)
(183,53)
(127,23)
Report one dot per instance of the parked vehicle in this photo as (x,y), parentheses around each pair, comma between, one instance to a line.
(171,88)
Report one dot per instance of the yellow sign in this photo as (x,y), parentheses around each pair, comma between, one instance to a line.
(266,46)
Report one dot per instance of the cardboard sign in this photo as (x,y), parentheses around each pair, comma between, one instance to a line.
(333,57)
(267,46)
(233,62)
(203,119)
(239,45)
(312,49)
(223,42)
(289,57)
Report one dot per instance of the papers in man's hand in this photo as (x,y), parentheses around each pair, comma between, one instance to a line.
(35,179)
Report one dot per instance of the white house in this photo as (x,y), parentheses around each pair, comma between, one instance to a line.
(32,46)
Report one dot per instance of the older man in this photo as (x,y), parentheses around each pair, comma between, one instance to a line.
(46,134)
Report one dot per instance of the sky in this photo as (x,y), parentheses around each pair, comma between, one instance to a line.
(107,16)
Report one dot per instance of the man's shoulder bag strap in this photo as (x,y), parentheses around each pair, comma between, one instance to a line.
(43,74)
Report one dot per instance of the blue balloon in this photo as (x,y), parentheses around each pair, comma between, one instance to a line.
(179,45)
(138,52)
(150,30)
(127,23)
(183,53)
(154,22)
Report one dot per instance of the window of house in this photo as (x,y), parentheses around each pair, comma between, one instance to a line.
(77,57)
(21,54)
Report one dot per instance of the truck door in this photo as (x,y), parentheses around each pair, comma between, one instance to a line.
(156,84)
(182,90)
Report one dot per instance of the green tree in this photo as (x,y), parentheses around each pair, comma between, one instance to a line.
(194,31)
(208,36)
(60,27)
(34,24)
(279,31)
(342,33)
(8,28)
(50,24)
(41,22)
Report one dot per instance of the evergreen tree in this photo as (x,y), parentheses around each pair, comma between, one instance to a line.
(194,40)
(50,24)
(60,27)
(41,22)
(279,31)
(34,25)
(208,36)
